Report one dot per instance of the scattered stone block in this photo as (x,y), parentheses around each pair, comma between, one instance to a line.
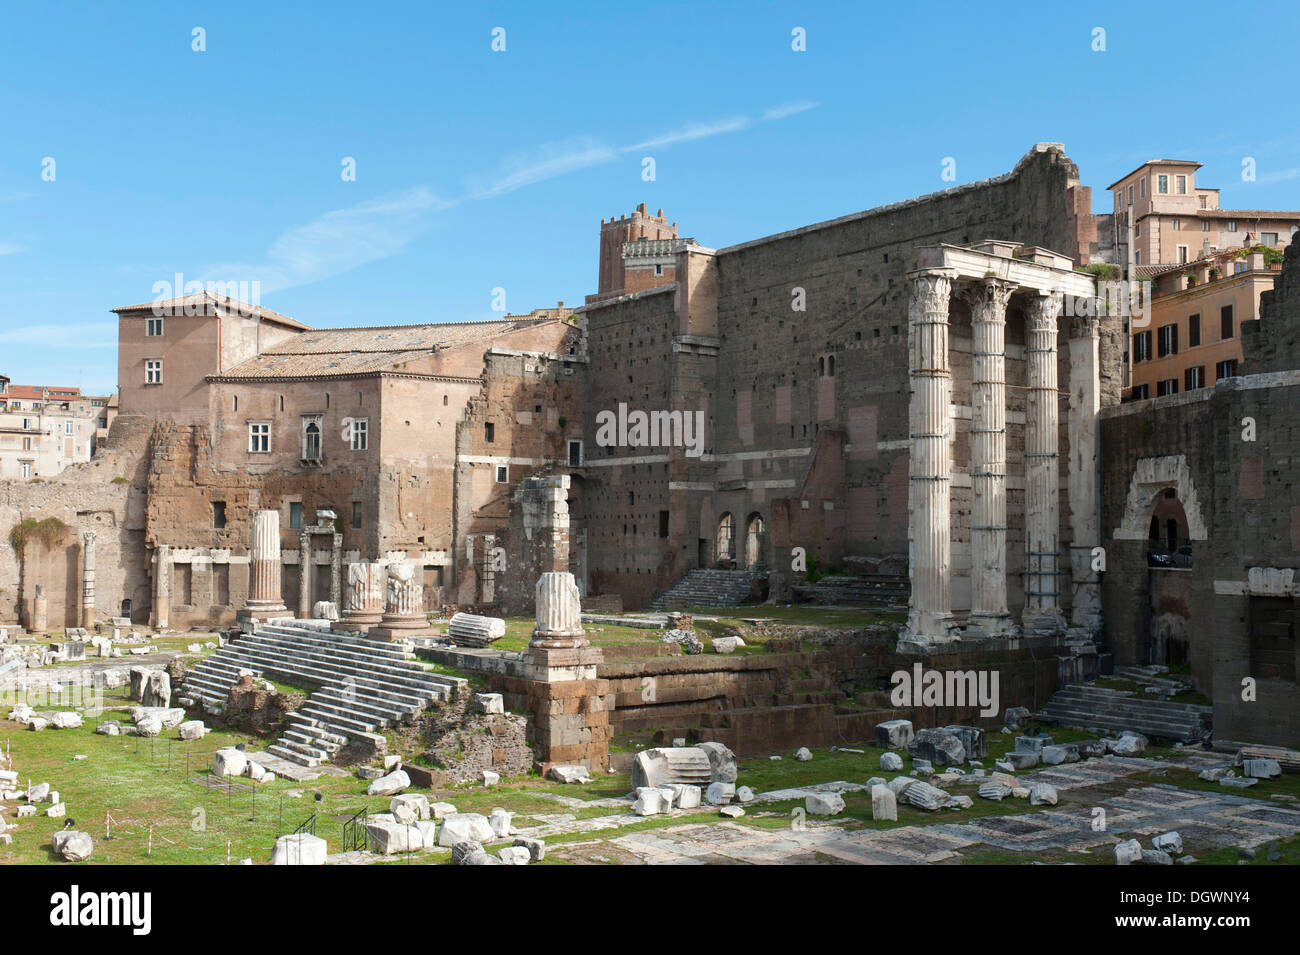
(687,796)
(649,801)
(299,849)
(924,796)
(514,855)
(959,802)
(1261,768)
(536,847)
(1156,857)
(229,762)
(465,826)
(803,754)
(1016,716)
(884,804)
(824,804)
(994,791)
(1130,745)
(722,762)
(727,644)
(24,811)
(570,774)
(732,812)
(191,730)
(1019,760)
(57,811)
(939,746)
(1055,755)
(1031,744)
(1171,842)
(502,823)
(894,734)
(1043,794)
(417,803)
(490,778)
(1237,782)
(1128,852)
(973,739)
(719,794)
(489,703)
(73,845)
(65,720)
(389,785)
(744,794)
(891,762)
(900,784)
(472,630)
(369,772)
(441,810)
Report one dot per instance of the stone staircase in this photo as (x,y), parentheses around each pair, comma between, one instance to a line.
(889,591)
(707,588)
(359,686)
(1087,706)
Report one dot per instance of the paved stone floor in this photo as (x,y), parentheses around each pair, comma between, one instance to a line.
(1206,820)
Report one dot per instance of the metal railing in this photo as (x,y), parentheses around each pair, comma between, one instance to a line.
(355,836)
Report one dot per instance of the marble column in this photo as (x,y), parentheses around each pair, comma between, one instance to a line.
(336,571)
(366,584)
(304,574)
(1042,466)
(989,615)
(88,578)
(1082,473)
(264,600)
(929,619)
(162,586)
(559,613)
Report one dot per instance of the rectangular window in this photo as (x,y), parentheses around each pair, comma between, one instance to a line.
(67,427)
(1142,188)
(154,328)
(153,371)
(219,514)
(27,444)
(489,432)
(575,454)
(1238,267)
(1162,185)
(663,523)
(1137,258)
(1205,225)
(1167,342)
(311,434)
(503,474)
(356,514)
(1225,369)
(1204,203)
(27,469)
(1225,322)
(1181,182)
(1141,392)
(295,515)
(1268,238)
(360,434)
(1193,331)
(259,437)
(1182,255)
(1130,195)
(1232,225)
(1142,347)
(1177,225)
(1167,387)
(1194,378)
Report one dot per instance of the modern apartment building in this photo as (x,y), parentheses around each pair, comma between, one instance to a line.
(43,429)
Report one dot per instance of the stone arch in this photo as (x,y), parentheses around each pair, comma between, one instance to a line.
(725,538)
(1152,476)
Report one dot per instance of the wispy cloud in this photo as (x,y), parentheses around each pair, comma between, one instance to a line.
(1282,175)
(81,335)
(9,248)
(691,133)
(337,242)
(345,239)
(789,109)
(551,160)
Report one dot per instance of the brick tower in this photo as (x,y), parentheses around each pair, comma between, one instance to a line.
(616,279)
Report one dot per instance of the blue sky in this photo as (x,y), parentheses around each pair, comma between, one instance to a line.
(478,169)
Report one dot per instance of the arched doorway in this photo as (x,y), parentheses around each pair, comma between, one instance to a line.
(725,542)
(755,541)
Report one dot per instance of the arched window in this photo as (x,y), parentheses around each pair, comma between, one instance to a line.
(726,539)
(755,542)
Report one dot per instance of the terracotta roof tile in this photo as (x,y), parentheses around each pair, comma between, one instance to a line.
(180,304)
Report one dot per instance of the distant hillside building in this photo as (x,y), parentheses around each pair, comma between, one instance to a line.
(43,428)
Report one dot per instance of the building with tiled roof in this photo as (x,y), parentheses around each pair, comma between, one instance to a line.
(45,428)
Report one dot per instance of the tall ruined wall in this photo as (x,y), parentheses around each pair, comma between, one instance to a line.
(106,495)
(772,390)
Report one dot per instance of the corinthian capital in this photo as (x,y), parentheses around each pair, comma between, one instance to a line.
(930,291)
(988,299)
(1043,310)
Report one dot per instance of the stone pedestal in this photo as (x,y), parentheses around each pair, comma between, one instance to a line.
(366,584)
(403,605)
(88,579)
(264,600)
(559,613)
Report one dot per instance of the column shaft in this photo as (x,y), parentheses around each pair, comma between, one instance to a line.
(1042,475)
(930,616)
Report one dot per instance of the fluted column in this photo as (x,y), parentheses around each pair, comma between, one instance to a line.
(264,598)
(1042,474)
(929,619)
(87,578)
(404,615)
(559,613)
(162,586)
(988,459)
(1082,472)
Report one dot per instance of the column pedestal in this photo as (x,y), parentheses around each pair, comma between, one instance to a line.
(364,597)
(403,606)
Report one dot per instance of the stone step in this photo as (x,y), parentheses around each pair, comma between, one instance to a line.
(293,756)
(333,719)
(315,651)
(302,738)
(325,675)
